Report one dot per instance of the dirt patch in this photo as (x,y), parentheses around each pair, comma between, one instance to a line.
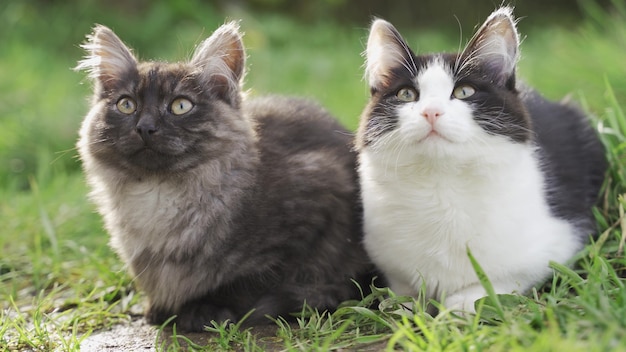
(138,335)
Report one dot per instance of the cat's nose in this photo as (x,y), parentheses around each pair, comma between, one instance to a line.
(432,113)
(146,128)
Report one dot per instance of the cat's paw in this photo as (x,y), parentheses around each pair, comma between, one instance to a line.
(464,300)
(192,317)
(156,316)
(460,303)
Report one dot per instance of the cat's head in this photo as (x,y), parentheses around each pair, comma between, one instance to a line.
(442,104)
(157,117)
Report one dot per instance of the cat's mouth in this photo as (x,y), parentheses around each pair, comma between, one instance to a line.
(158,154)
(151,149)
(148,156)
(433,136)
(146,149)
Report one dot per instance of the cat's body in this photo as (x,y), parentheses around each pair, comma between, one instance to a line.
(219,205)
(454,154)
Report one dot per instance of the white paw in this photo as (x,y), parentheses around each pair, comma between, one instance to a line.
(463,300)
(460,302)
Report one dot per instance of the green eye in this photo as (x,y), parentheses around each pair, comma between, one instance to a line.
(181,106)
(407,94)
(463,92)
(126,105)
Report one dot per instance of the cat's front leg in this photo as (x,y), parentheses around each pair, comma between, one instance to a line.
(401,287)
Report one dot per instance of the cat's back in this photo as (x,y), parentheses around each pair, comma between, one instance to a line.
(572,154)
(306,156)
(294,125)
(307,192)
(299,138)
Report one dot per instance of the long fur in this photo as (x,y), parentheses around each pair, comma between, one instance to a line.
(230,207)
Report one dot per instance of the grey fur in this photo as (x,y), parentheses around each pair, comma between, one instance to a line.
(232,206)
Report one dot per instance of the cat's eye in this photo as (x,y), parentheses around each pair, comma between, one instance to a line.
(126,105)
(407,94)
(181,106)
(463,92)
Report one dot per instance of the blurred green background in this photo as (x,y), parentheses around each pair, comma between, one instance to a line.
(307,48)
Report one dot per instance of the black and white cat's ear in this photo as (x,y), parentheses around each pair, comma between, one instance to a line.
(495,46)
(221,59)
(107,57)
(386,51)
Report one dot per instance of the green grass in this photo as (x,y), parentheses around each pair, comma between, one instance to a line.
(60,282)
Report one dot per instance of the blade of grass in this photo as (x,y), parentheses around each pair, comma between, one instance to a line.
(484,281)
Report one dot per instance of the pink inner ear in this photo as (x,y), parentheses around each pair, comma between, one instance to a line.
(224,45)
(235,58)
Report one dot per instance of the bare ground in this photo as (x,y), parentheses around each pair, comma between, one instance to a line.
(138,335)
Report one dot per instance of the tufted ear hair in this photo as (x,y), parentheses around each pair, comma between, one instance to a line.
(220,59)
(107,59)
(495,46)
(386,50)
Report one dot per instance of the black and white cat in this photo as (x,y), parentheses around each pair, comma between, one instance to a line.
(455,154)
(219,204)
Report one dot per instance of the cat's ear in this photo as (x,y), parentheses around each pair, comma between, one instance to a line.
(221,60)
(495,46)
(386,51)
(107,59)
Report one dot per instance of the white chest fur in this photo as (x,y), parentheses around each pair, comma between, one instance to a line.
(421,217)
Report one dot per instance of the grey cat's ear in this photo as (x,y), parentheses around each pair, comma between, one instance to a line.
(107,57)
(221,59)
(386,50)
(495,46)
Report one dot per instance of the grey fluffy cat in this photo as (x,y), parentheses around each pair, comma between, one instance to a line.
(219,205)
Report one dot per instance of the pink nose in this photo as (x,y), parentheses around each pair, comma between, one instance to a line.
(431,114)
